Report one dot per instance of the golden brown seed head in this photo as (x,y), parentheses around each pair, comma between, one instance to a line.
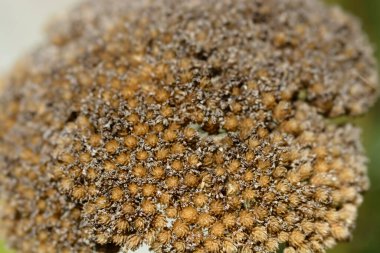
(132,125)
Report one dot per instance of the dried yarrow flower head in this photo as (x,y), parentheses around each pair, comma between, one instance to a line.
(187,126)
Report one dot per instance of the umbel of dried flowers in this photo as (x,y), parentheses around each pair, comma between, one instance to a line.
(187,126)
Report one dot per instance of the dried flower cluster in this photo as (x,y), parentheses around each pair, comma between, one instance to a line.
(188,126)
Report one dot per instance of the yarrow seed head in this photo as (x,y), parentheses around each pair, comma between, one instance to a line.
(188,126)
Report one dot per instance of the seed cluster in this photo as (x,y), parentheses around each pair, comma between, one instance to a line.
(188,126)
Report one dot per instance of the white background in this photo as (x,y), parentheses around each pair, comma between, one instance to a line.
(22,25)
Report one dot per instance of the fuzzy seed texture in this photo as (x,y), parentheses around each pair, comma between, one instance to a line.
(187,126)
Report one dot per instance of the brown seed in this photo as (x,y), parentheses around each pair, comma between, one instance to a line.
(228,220)
(85,158)
(296,238)
(158,172)
(205,220)
(148,190)
(200,199)
(217,229)
(190,180)
(216,207)
(117,194)
(79,192)
(109,166)
(133,188)
(171,212)
(67,158)
(130,142)
(177,165)
(141,129)
(212,246)
(162,95)
(189,214)
(151,140)
(122,159)
(259,234)
(172,182)
(189,133)
(139,171)
(112,146)
(231,123)
(169,135)
(180,229)
(142,155)
(162,154)
(148,207)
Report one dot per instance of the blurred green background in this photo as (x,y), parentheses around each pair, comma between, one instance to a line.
(367,234)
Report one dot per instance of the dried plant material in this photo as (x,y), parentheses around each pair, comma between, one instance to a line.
(188,126)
